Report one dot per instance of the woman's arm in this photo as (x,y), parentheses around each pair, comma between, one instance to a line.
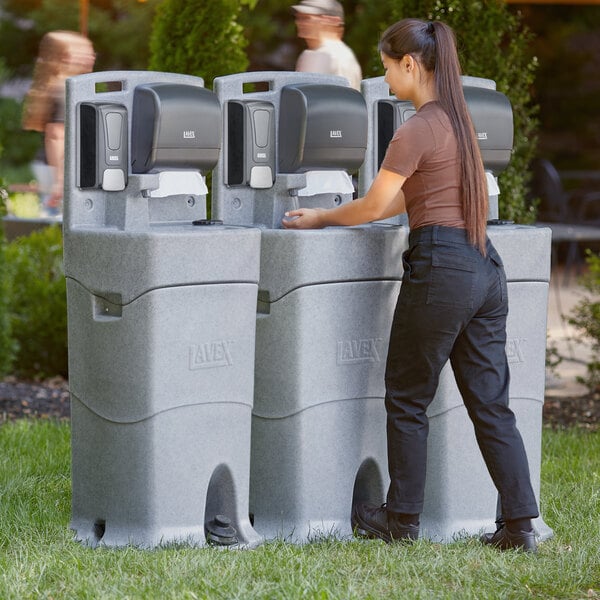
(384,199)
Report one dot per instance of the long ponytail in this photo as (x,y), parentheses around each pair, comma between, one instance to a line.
(434,45)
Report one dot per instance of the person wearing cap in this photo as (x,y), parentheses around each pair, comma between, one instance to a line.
(320,24)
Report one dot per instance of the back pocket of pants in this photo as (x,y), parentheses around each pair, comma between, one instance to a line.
(452,280)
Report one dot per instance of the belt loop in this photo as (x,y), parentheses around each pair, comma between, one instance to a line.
(434,234)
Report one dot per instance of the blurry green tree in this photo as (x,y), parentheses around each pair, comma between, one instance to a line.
(199,37)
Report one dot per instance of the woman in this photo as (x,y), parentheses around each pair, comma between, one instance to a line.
(453,300)
(62,54)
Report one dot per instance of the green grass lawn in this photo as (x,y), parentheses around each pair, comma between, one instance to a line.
(39,559)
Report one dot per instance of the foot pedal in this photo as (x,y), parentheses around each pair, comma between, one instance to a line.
(220,532)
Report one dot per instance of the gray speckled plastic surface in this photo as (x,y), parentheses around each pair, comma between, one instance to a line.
(162,318)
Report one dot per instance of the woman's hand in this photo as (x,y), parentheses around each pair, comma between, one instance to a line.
(304,218)
(384,199)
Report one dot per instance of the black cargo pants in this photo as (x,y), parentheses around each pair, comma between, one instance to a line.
(453,305)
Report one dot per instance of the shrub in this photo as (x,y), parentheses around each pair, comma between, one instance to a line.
(199,37)
(586,318)
(7,347)
(19,147)
(38,316)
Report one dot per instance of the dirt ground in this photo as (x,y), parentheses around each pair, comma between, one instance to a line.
(49,399)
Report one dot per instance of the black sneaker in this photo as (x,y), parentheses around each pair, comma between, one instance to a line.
(504,539)
(375,522)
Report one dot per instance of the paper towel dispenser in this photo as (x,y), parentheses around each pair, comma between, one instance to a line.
(321,126)
(102,146)
(250,143)
(492,117)
(174,126)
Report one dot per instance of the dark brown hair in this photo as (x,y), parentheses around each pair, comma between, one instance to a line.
(433,45)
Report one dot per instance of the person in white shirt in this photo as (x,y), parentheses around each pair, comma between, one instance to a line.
(320,24)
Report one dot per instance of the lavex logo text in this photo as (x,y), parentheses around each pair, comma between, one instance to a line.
(189,134)
(210,355)
(358,351)
(335,133)
(515,350)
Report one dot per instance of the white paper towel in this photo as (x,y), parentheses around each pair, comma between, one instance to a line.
(174,183)
(492,184)
(327,182)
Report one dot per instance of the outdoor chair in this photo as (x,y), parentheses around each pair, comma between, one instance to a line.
(573,216)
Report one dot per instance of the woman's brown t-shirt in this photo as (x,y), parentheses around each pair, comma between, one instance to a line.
(424,150)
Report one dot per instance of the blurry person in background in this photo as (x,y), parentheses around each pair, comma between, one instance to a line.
(320,24)
(62,54)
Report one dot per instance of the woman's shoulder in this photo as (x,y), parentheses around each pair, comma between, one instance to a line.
(416,126)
